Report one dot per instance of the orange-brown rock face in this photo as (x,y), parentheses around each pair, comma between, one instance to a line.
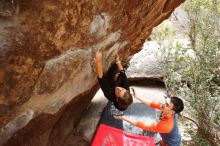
(46,51)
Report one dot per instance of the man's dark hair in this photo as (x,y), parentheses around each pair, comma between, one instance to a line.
(126,101)
(178,105)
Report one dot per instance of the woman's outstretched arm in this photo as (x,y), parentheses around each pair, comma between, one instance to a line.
(118,62)
(98,64)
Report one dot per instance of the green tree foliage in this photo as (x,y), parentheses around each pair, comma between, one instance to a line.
(193,71)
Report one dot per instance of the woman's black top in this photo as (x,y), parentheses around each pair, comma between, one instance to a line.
(108,84)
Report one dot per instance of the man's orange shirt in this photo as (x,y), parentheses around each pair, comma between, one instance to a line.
(165,125)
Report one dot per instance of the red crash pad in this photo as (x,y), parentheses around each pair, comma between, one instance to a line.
(110,136)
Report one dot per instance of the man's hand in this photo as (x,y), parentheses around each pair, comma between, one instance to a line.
(134,97)
(142,100)
(125,118)
(119,118)
(133,93)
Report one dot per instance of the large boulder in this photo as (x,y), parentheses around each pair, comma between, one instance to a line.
(146,64)
(46,50)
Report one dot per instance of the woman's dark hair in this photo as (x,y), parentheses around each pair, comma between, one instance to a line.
(126,101)
(178,105)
